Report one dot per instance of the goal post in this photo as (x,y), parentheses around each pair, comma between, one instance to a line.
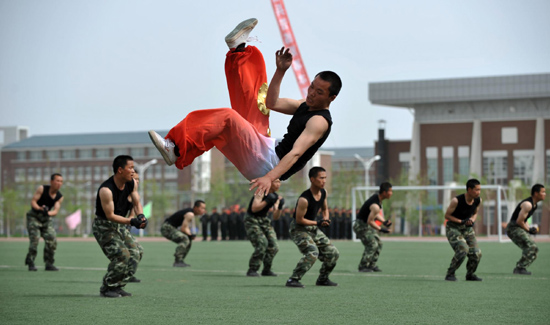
(415,204)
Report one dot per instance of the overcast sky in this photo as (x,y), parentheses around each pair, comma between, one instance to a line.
(78,66)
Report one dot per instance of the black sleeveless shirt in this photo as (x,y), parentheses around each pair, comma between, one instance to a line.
(515,215)
(312,205)
(46,199)
(263,212)
(295,128)
(176,219)
(120,198)
(463,210)
(365,209)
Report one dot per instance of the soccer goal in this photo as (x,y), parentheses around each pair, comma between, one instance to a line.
(420,210)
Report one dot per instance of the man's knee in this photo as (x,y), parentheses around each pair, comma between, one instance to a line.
(475,253)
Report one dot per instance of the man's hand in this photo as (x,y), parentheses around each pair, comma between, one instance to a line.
(283,59)
(469,222)
(136,222)
(143,220)
(281,202)
(192,236)
(323,223)
(463,222)
(533,230)
(45,210)
(271,198)
(385,230)
(387,223)
(263,184)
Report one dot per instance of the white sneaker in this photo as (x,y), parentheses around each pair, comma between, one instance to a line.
(240,34)
(164,146)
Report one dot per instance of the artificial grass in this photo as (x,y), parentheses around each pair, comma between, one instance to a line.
(215,289)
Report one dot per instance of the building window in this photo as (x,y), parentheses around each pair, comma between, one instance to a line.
(106,171)
(19,174)
(68,154)
(170,187)
(431,160)
(548,167)
(52,155)
(495,167)
(102,153)
(448,164)
(85,154)
(87,173)
(464,160)
(21,155)
(120,151)
(489,213)
(38,173)
(137,152)
(523,165)
(30,174)
(170,173)
(36,155)
(97,173)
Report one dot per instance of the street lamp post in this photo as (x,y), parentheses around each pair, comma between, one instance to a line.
(367,163)
(141,168)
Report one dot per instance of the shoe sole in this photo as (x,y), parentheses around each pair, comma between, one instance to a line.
(101,294)
(160,147)
(241,28)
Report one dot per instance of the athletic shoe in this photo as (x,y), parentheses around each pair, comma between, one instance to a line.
(365,269)
(293,283)
(240,33)
(32,267)
(123,293)
(473,277)
(252,273)
(112,293)
(326,283)
(165,147)
(268,273)
(134,280)
(450,277)
(51,268)
(517,270)
(181,264)
(375,269)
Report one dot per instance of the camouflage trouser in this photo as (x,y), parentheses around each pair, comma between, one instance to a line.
(371,240)
(464,243)
(39,226)
(313,244)
(137,251)
(184,242)
(263,239)
(120,248)
(521,238)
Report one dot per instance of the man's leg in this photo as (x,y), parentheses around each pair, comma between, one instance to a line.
(258,241)
(112,243)
(50,245)
(328,254)
(135,254)
(245,74)
(302,238)
(529,249)
(360,229)
(252,153)
(378,249)
(460,247)
(178,237)
(33,227)
(272,246)
(474,253)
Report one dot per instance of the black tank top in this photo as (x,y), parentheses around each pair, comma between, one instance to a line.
(365,209)
(46,199)
(515,215)
(262,212)
(312,205)
(176,219)
(463,210)
(120,198)
(295,128)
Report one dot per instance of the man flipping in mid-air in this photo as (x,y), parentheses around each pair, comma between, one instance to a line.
(242,133)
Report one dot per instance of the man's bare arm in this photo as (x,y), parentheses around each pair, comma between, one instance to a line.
(36,197)
(283,60)
(315,129)
(373,215)
(187,219)
(136,200)
(106,197)
(57,206)
(301,209)
(525,208)
(451,209)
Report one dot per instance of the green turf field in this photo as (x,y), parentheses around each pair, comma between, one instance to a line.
(215,289)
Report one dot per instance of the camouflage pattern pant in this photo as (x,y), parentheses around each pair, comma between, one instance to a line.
(184,242)
(371,240)
(120,248)
(137,251)
(521,238)
(263,239)
(39,226)
(314,245)
(464,243)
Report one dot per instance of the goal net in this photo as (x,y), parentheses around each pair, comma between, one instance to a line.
(420,210)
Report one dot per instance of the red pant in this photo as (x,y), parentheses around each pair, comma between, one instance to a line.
(241,133)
